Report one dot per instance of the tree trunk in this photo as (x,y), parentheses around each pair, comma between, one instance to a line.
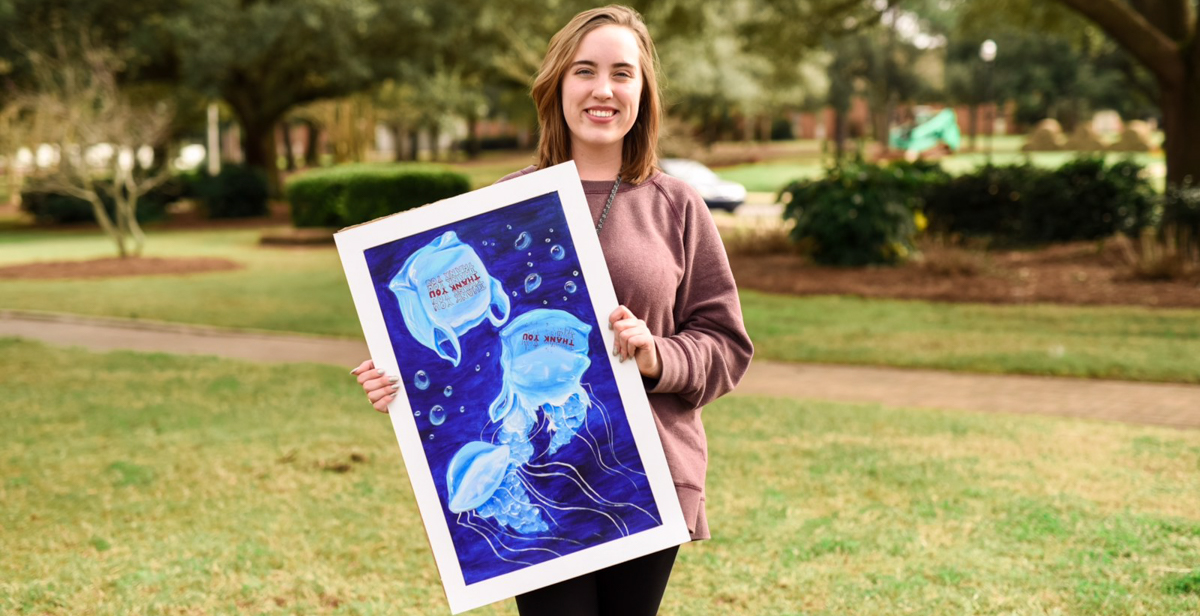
(397,142)
(285,132)
(974,128)
(435,135)
(312,144)
(474,147)
(414,144)
(839,133)
(1181,125)
(258,146)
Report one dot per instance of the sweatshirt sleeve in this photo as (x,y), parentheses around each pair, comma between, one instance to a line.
(710,350)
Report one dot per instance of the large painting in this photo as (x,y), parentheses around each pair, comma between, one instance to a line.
(532,451)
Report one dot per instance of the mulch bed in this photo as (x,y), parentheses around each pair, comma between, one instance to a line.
(114,267)
(1075,274)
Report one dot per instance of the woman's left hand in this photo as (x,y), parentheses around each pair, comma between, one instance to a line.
(634,340)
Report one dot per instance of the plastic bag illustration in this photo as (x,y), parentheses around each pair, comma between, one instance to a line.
(444,291)
(544,354)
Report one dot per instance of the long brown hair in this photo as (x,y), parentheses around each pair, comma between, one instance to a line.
(639,152)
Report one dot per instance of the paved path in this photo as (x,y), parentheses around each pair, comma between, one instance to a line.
(1143,403)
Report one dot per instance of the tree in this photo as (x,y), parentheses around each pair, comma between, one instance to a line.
(1162,35)
(98,129)
(265,58)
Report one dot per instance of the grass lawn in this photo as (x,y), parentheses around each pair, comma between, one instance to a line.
(155,484)
(1102,342)
(303,290)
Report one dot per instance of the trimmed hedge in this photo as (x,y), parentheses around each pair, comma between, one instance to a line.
(352,194)
(1021,204)
(49,207)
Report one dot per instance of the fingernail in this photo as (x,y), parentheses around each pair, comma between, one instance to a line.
(354,372)
(393,379)
(395,388)
(380,372)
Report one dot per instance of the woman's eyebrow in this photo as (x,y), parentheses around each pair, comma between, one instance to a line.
(594,65)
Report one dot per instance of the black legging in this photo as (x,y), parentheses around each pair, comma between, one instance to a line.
(633,588)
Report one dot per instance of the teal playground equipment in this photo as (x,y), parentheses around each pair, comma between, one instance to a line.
(941,128)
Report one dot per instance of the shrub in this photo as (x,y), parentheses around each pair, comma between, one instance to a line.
(353,194)
(861,214)
(982,203)
(55,208)
(1085,200)
(1022,204)
(237,191)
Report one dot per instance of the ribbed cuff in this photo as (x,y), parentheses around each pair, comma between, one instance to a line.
(674,366)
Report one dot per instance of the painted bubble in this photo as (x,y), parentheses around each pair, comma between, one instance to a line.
(523,241)
(532,282)
(557,253)
(437,415)
(570,287)
(421,380)
(449,391)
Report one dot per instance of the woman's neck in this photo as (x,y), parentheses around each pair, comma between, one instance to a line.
(597,164)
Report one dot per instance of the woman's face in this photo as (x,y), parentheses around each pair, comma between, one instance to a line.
(602,88)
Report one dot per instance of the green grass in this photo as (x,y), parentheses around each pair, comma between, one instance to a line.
(283,289)
(155,484)
(1103,342)
(304,291)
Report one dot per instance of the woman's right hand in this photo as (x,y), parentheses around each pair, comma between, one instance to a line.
(379,387)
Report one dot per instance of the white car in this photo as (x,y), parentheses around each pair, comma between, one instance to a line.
(717,193)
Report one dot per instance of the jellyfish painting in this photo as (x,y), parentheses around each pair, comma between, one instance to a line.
(444,291)
(505,489)
(519,413)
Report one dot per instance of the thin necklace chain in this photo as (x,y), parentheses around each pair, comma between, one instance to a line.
(608,205)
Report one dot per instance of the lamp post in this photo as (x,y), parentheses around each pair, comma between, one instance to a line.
(987,53)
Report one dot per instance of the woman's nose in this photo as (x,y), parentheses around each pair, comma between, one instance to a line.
(602,90)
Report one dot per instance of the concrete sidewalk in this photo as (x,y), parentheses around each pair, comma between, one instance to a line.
(1141,403)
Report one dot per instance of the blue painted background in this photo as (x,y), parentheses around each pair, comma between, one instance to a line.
(477,381)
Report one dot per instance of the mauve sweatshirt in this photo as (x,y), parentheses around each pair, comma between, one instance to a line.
(668,266)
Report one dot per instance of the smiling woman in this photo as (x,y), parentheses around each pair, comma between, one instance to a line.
(680,320)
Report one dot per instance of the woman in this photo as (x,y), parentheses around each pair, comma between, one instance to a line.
(599,104)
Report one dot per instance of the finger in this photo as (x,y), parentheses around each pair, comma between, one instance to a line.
(618,314)
(378,394)
(380,383)
(620,327)
(634,339)
(363,367)
(636,330)
(382,405)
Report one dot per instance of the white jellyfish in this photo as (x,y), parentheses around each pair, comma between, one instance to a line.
(444,291)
